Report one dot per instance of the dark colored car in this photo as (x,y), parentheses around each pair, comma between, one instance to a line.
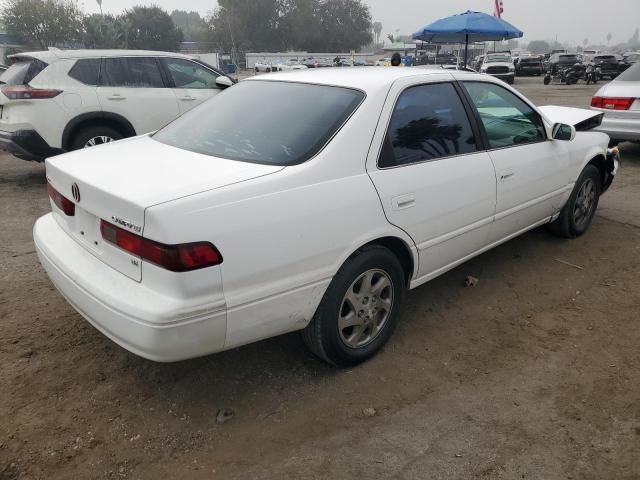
(608,65)
(529,66)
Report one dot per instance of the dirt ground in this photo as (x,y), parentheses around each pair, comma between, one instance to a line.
(532,374)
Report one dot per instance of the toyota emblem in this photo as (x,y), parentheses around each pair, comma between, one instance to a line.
(75,191)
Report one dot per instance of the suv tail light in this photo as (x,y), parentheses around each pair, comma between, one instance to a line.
(612,103)
(176,258)
(25,92)
(63,203)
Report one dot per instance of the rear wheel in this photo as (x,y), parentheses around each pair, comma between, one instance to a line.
(577,215)
(359,310)
(93,136)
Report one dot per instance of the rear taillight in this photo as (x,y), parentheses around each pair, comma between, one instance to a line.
(63,203)
(177,258)
(611,103)
(25,92)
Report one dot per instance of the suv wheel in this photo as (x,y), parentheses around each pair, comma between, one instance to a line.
(92,136)
(359,310)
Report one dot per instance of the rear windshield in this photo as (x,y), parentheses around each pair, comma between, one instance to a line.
(272,123)
(631,74)
(22,71)
(568,58)
(530,60)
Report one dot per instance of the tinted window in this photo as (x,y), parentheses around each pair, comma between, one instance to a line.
(86,70)
(131,72)
(568,58)
(187,74)
(507,120)
(288,122)
(23,71)
(428,122)
(631,74)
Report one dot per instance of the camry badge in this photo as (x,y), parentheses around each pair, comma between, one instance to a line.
(75,191)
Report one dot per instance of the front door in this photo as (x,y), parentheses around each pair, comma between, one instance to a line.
(530,168)
(192,83)
(433,181)
(133,88)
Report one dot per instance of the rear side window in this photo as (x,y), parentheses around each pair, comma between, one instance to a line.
(86,70)
(428,122)
(23,71)
(132,72)
(631,74)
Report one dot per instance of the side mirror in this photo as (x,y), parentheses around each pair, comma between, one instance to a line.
(563,132)
(223,82)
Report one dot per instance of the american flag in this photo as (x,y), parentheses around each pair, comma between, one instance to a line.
(499,9)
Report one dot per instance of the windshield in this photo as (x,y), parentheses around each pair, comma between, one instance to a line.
(631,74)
(22,71)
(498,58)
(272,123)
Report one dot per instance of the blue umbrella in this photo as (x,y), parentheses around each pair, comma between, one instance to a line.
(467,27)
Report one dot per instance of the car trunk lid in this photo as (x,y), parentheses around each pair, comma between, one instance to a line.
(118,182)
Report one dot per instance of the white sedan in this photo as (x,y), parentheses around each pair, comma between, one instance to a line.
(314,213)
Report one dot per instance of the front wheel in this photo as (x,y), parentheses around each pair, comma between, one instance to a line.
(359,310)
(547,80)
(577,215)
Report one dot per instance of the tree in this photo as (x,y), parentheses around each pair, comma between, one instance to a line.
(391,38)
(609,37)
(150,28)
(539,46)
(104,31)
(276,25)
(377,31)
(193,26)
(43,23)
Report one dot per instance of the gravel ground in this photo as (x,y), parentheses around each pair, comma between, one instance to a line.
(531,374)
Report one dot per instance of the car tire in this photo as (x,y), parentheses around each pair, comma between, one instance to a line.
(359,311)
(547,80)
(99,134)
(511,81)
(576,216)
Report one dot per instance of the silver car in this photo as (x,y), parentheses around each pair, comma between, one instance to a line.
(619,100)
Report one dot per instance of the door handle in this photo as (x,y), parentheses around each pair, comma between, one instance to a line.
(507,176)
(116,96)
(403,201)
(187,99)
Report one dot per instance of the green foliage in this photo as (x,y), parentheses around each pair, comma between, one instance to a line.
(150,28)
(104,31)
(539,47)
(43,23)
(273,25)
(193,26)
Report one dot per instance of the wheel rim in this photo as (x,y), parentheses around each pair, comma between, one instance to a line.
(365,308)
(584,204)
(99,140)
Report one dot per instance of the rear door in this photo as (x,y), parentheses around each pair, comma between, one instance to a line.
(432,178)
(135,88)
(192,82)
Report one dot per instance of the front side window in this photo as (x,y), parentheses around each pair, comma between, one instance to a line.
(507,119)
(137,72)
(428,122)
(188,74)
(289,122)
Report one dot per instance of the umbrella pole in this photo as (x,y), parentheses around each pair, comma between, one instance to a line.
(466,50)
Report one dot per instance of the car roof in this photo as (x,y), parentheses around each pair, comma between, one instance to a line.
(368,79)
(55,53)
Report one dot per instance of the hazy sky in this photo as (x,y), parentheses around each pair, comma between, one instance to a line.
(571,20)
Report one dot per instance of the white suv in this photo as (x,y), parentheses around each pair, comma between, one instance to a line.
(61,100)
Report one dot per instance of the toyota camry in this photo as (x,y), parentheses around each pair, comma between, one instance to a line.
(315,212)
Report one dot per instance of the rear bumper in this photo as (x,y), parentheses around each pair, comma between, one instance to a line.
(27,145)
(620,129)
(133,316)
